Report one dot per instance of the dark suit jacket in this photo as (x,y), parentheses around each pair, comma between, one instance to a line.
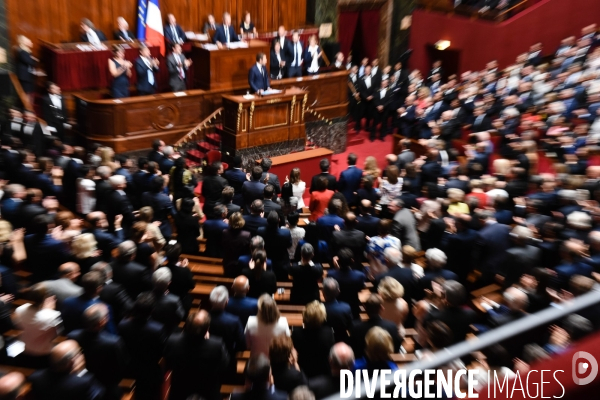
(116,297)
(119,35)
(339,318)
(213,233)
(273,180)
(349,183)
(219,35)
(174,79)
(277,241)
(170,38)
(44,256)
(481,124)
(133,276)
(101,36)
(229,328)
(242,307)
(25,63)
(197,365)
(265,283)
(54,116)
(287,378)
(107,241)
(458,320)
(275,69)
(270,205)
(332,185)
(253,222)
(236,178)
(141,69)
(72,312)
(405,277)
(353,239)
(367,224)
(490,248)
(257,80)
(286,49)
(359,332)
(351,283)
(313,346)
(105,357)
(324,386)
(212,188)
(119,204)
(168,311)
(306,280)
(49,385)
(252,190)
(163,208)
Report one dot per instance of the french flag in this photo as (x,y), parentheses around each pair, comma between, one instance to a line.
(150,26)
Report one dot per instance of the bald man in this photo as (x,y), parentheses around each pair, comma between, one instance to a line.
(64,379)
(239,304)
(341,357)
(104,352)
(366,222)
(65,286)
(10,385)
(197,362)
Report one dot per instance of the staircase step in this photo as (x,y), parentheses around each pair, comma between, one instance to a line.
(213,138)
(206,146)
(195,155)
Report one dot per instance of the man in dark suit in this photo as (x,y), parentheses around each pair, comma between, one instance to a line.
(367,88)
(107,241)
(258,76)
(212,187)
(404,276)
(350,281)
(284,43)
(457,242)
(197,363)
(324,165)
(436,261)
(213,231)
(210,25)
(236,177)
(255,220)
(277,241)
(436,68)
(161,204)
(339,314)
(258,374)
(341,358)
(118,204)
(173,32)
(44,253)
(112,293)
(381,105)
(253,189)
(227,200)
(454,314)
(271,205)
(123,33)
(376,73)
(225,325)
(482,122)
(33,136)
(306,275)
(241,305)
(146,68)
(225,33)
(373,307)
(350,180)
(269,177)
(167,308)
(54,110)
(354,107)
(104,353)
(65,379)
(493,239)
(351,238)
(133,276)
(296,56)
(366,222)
(144,341)
(177,64)
(74,307)
(156,153)
(90,34)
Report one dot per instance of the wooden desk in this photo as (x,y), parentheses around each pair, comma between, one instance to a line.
(225,68)
(261,121)
(74,69)
(307,161)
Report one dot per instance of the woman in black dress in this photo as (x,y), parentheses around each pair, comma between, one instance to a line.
(188,227)
(247,26)
(120,69)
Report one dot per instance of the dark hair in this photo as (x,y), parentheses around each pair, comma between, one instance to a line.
(142,163)
(157,183)
(384,227)
(322,183)
(187,205)
(268,191)
(456,295)
(273,219)
(266,164)
(219,210)
(345,258)
(352,158)
(259,56)
(227,194)
(143,306)
(577,326)
(39,225)
(438,334)
(258,370)
(373,305)
(257,173)
(293,218)
(237,162)
(155,145)
(121,158)
(173,251)
(91,282)
(324,165)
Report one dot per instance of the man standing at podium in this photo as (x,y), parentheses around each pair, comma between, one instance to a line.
(258,78)
(225,33)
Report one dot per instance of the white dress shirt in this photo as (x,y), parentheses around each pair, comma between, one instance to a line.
(368,81)
(93,38)
(314,65)
(297,54)
(56,101)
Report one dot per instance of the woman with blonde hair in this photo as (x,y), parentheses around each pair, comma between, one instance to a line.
(457,206)
(395,308)
(147,215)
(107,156)
(314,340)
(371,168)
(85,251)
(265,326)
(145,254)
(378,348)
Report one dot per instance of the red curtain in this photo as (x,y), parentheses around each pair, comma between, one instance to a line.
(347,21)
(369,24)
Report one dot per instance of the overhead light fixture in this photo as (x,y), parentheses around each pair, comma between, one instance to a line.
(442,44)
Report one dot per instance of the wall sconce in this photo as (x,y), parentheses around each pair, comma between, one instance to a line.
(442,44)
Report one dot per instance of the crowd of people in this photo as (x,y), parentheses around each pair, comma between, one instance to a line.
(105,242)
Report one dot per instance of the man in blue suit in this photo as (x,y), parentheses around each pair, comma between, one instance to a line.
(225,34)
(107,241)
(253,189)
(44,253)
(350,179)
(258,77)
(213,231)
(339,314)
(146,67)
(236,177)
(255,220)
(173,32)
(241,305)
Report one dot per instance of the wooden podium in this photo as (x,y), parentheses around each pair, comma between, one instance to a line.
(225,68)
(273,122)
